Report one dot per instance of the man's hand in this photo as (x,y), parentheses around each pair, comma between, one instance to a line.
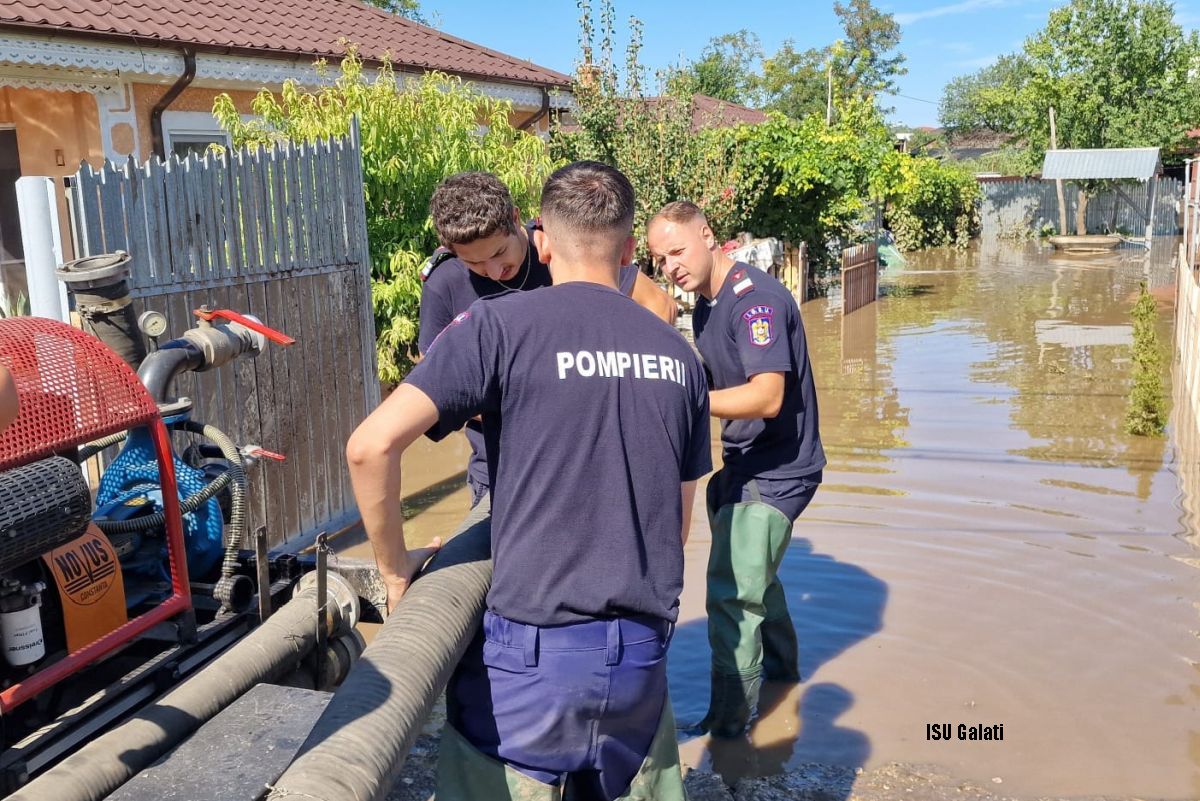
(373,453)
(397,586)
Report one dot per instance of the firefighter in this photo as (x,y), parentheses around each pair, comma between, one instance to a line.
(749,333)
(595,418)
(486,251)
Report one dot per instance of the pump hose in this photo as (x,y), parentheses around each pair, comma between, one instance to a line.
(264,655)
(358,745)
(237,491)
(92,448)
(187,506)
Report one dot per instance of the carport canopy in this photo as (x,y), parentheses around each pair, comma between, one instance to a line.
(1124,163)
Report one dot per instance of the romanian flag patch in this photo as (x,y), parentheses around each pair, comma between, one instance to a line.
(741,283)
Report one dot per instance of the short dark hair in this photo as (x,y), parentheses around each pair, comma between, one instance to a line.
(680,211)
(471,205)
(588,196)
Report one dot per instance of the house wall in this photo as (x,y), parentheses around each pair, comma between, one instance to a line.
(52,127)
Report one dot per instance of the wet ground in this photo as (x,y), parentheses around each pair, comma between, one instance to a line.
(989,547)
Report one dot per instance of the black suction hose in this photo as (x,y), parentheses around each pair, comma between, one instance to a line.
(108,761)
(359,743)
(160,367)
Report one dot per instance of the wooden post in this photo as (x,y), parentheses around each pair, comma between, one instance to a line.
(1058,184)
(1150,212)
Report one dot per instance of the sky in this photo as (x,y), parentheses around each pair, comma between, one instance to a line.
(941,40)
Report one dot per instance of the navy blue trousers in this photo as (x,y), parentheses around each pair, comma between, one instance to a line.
(574,705)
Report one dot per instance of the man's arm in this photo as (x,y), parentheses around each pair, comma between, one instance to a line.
(651,296)
(687,491)
(373,453)
(760,397)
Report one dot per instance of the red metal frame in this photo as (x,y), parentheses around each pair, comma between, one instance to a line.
(74,390)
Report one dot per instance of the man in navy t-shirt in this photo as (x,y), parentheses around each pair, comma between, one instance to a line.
(485,251)
(595,414)
(748,330)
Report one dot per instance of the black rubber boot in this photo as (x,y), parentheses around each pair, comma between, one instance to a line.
(781,652)
(732,702)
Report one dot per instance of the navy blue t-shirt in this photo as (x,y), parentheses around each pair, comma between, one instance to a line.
(753,326)
(451,288)
(594,411)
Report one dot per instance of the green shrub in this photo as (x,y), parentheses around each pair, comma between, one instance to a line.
(933,204)
(1147,415)
(414,134)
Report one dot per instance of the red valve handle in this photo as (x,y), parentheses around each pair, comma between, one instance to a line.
(263,453)
(278,337)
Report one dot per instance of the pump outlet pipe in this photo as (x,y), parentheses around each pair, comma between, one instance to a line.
(268,652)
(101,288)
(358,745)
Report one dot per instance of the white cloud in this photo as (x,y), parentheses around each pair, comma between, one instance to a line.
(957,47)
(964,7)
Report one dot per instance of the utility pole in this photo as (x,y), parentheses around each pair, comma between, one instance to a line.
(1058,184)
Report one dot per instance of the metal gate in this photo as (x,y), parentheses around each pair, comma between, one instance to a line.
(279,233)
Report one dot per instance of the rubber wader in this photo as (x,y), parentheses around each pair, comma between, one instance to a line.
(465,774)
(749,627)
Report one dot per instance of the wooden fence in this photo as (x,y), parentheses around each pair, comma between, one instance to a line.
(1014,207)
(279,233)
(860,276)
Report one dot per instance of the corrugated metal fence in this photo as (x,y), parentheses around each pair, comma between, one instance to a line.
(1013,207)
(279,233)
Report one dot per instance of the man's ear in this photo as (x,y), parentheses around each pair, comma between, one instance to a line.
(516,217)
(628,249)
(542,243)
(710,239)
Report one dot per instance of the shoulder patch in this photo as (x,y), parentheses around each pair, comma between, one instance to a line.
(440,255)
(760,320)
(459,318)
(741,283)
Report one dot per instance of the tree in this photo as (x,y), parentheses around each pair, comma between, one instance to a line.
(984,100)
(1118,73)
(869,65)
(725,70)
(410,9)
(862,64)
(651,139)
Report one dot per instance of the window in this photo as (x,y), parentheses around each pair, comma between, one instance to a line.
(184,144)
(187,132)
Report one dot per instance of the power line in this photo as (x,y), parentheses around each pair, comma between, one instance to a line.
(908,97)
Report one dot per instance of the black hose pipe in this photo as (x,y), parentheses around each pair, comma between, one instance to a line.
(108,315)
(159,369)
(359,743)
(271,650)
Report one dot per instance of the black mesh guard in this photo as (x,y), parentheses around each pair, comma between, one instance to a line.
(43,505)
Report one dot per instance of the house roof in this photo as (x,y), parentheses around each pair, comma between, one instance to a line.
(1131,163)
(709,112)
(306,27)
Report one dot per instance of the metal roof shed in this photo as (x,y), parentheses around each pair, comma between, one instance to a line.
(1113,164)
(1110,164)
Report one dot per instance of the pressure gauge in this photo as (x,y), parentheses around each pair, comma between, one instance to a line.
(153,324)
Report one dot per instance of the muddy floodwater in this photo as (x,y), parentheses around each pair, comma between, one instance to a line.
(988,548)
